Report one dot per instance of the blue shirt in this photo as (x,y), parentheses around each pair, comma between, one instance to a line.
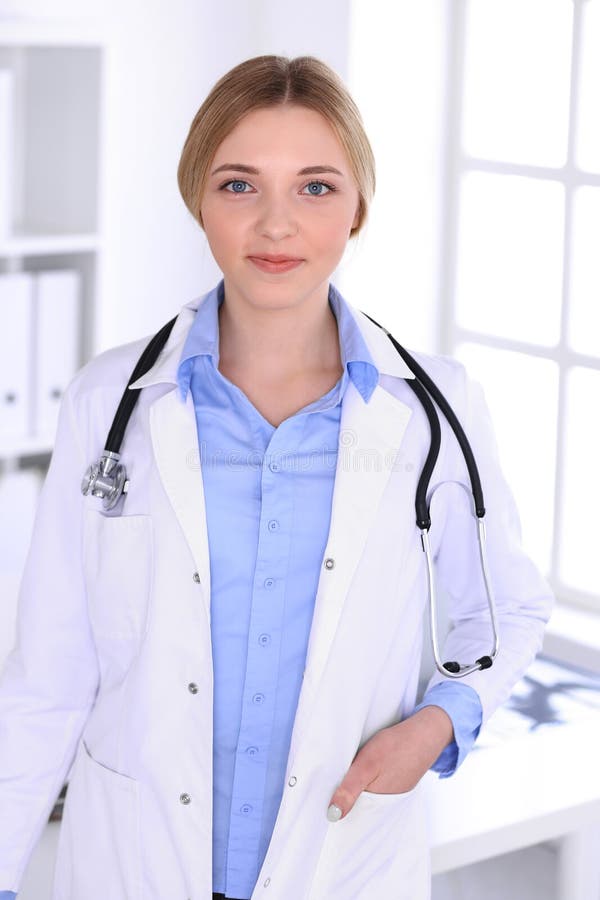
(268,498)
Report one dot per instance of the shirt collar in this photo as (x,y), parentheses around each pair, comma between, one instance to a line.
(203,339)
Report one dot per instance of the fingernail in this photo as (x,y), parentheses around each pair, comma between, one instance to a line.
(334,813)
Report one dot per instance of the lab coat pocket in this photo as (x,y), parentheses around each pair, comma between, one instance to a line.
(99,849)
(118,563)
(389,798)
(379,849)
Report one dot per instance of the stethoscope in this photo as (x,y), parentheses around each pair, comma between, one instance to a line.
(107,478)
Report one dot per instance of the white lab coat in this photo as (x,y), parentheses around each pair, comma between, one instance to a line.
(112,672)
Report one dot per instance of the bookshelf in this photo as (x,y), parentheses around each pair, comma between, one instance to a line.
(52,89)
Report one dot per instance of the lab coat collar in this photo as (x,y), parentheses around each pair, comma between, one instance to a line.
(384,354)
(203,341)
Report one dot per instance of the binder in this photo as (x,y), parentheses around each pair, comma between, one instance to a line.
(57,322)
(6,152)
(16,310)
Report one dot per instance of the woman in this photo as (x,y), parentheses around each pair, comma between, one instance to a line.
(229,656)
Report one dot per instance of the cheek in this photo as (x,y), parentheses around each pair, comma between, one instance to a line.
(334,219)
(332,232)
(221,230)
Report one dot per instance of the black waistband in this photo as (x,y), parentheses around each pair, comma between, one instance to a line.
(223,897)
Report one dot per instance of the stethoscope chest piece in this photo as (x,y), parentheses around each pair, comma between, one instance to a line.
(106,479)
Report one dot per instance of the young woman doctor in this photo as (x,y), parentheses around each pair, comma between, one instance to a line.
(252,731)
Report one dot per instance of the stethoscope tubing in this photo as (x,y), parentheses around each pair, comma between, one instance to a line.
(130,397)
(423,386)
(418,384)
(107,478)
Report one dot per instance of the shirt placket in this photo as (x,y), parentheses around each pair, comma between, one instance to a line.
(265,636)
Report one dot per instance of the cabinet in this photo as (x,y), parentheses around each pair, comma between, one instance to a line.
(52,109)
(51,176)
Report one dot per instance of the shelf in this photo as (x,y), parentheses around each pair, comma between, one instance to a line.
(49,244)
(25,446)
(21,31)
(573,636)
(52,136)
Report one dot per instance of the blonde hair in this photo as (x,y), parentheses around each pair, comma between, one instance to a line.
(270,81)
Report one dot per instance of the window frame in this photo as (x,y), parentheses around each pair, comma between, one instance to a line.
(456,164)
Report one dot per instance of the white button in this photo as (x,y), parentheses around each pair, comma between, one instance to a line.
(267,882)
(292,781)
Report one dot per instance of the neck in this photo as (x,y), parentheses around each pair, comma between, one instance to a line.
(278,344)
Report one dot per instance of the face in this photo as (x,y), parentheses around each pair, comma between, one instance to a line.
(276,210)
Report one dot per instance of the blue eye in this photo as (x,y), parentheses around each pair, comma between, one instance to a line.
(320,184)
(234,182)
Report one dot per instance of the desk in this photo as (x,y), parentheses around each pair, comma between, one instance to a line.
(519,790)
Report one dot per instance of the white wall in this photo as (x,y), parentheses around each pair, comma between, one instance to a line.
(157,256)
(163,60)
(392,273)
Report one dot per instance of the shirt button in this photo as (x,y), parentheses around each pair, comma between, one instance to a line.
(246,808)
(196,578)
(192,688)
(274,467)
(292,781)
(329,563)
(251,751)
(273,525)
(269,582)
(264,639)
(258,698)
(185,798)
(267,882)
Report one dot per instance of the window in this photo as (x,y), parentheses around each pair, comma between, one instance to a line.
(482,116)
(520,266)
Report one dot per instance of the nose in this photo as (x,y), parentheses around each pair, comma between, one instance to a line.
(276,218)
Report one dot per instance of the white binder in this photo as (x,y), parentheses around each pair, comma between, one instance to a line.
(57,322)
(7,137)
(16,308)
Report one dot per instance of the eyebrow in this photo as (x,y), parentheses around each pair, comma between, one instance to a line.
(250,170)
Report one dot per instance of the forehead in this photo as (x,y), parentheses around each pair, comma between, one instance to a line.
(291,130)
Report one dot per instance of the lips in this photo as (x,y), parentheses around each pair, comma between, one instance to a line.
(268,265)
(276,259)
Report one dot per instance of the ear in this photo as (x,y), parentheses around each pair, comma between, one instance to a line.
(356,217)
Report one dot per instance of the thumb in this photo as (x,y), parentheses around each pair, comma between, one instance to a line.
(354,782)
